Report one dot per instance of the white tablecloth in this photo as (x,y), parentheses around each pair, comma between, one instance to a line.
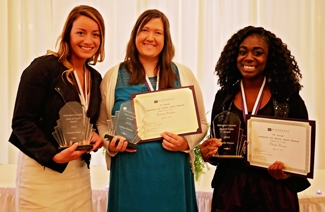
(309,200)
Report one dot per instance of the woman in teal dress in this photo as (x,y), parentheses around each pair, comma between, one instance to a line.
(158,175)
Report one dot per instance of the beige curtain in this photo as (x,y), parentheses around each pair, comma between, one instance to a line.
(200,29)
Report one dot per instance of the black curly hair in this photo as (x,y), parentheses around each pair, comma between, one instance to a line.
(281,71)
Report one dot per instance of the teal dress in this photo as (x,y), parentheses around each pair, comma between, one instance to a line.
(151,179)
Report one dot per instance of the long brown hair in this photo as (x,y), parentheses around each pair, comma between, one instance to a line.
(137,74)
(63,40)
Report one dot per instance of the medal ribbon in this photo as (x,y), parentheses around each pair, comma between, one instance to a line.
(149,85)
(257,102)
(84,97)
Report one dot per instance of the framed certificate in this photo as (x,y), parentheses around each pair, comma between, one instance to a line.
(173,110)
(291,141)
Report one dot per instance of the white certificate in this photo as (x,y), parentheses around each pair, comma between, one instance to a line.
(171,110)
(287,140)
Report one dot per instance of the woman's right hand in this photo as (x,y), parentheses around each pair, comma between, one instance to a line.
(209,148)
(121,146)
(68,154)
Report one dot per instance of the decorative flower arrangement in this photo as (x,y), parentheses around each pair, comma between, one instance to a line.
(199,164)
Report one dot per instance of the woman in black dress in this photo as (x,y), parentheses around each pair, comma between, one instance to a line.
(259,76)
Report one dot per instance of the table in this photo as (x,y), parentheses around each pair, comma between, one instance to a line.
(309,201)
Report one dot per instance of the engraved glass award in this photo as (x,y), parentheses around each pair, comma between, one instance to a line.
(226,125)
(123,124)
(73,127)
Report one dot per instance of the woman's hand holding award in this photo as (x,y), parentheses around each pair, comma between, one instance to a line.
(280,139)
(148,114)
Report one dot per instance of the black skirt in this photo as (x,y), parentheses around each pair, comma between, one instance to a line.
(238,188)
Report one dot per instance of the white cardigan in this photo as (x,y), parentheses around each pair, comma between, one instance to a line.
(107,88)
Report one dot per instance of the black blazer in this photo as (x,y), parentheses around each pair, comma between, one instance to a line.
(42,92)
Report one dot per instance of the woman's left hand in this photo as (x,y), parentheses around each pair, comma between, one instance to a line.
(276,171)
(174,142)
(96,141)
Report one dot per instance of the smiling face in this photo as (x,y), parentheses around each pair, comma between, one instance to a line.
(84,39)
(150,40)
(252,57)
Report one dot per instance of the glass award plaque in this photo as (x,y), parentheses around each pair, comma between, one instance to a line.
(226,125)
(73,127)
(123,124)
